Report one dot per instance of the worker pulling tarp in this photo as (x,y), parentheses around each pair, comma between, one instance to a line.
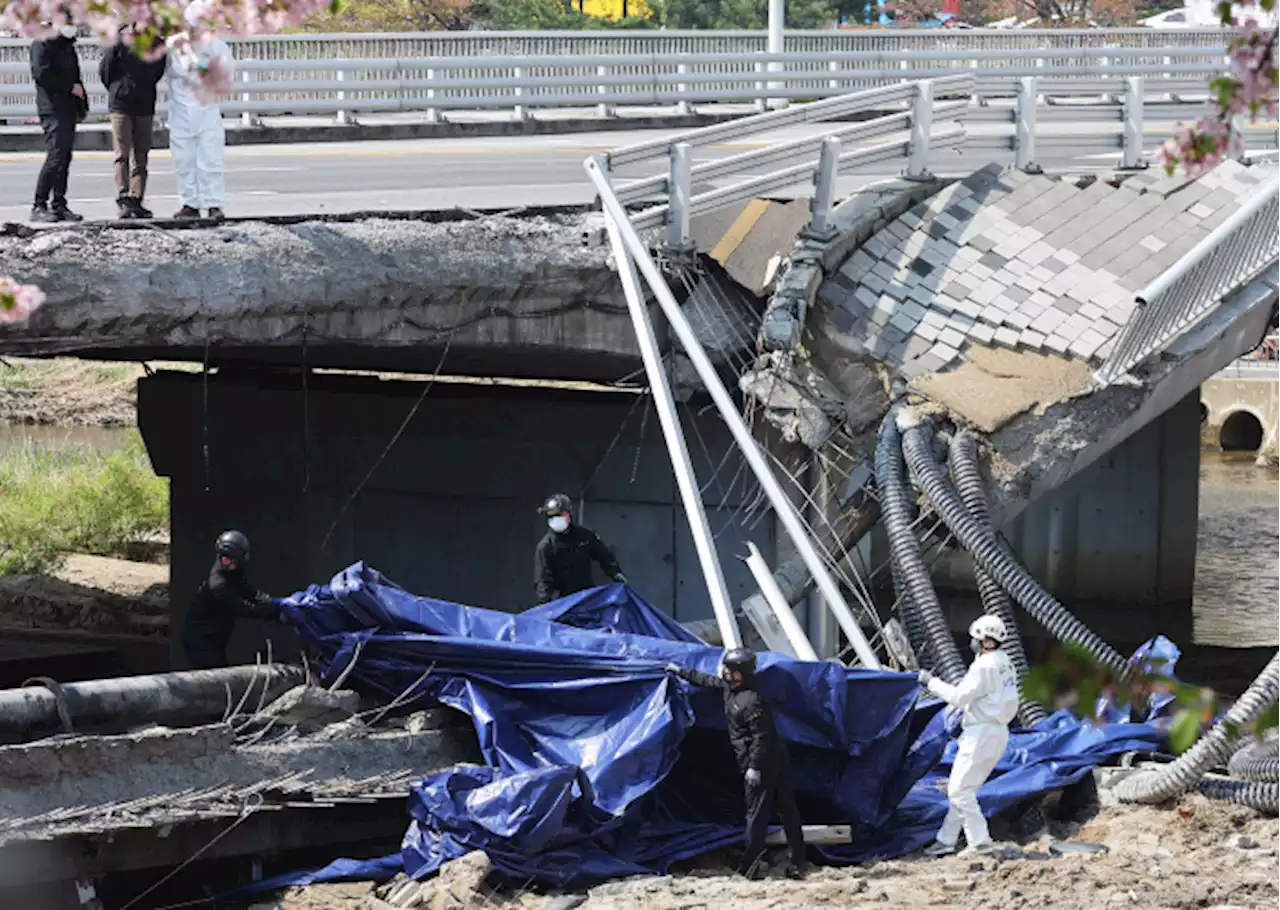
(600,764)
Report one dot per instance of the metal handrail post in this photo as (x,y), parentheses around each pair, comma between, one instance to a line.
(1025,129)
(742,436)
(824,193)
(921,129)
(668,418)
(1133,125)
(679,212)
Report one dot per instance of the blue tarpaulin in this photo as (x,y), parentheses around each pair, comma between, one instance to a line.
(600,764)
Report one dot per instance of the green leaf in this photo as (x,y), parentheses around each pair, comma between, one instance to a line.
(1039,685)
(1184,731)
(1268,720)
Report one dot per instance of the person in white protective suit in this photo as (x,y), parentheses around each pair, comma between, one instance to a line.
(200,68)
(988,696)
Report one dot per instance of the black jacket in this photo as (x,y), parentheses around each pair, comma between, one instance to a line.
(55,67)
(562,562)
(219,601)
(130,80)
(754,738)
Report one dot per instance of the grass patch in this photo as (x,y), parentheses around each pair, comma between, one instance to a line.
(73,499)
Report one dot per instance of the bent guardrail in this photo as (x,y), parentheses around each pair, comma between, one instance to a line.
(1233,254)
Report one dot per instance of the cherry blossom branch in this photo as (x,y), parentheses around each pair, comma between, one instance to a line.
(1249,88)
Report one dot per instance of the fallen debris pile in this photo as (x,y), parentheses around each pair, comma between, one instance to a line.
(1197,854)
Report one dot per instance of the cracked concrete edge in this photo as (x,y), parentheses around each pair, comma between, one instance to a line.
(813,260)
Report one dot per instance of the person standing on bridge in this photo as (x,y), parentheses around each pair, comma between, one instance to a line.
(562,561)
(200,69)
(225,596)
(62,103)
(131,101)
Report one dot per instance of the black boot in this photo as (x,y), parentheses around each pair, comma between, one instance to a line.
(216,214)
(139,210)
(62,213)
(40,214)
(186,213)
(124,208)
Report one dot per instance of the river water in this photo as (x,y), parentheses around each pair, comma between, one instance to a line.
(1237,584)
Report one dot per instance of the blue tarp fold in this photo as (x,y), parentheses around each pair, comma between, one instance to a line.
(599,764)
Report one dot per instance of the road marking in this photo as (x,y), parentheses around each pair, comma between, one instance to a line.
(739,230)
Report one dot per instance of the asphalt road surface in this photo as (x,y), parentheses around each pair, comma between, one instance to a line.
(485,174)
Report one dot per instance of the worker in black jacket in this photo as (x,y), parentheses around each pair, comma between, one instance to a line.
(225,596)
(761,755)
(131,102)
(61,103)
(562,560)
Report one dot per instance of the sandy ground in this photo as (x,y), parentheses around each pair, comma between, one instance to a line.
(1200,854)
(90,593)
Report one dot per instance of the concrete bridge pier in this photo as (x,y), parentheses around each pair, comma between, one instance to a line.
(450,511)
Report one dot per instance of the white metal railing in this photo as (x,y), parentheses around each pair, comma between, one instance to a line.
(823,157)
(1234,253)
(343,86)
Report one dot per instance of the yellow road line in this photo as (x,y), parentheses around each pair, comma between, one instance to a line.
(738,231)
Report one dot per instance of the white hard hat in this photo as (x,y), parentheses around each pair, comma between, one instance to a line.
(988,627)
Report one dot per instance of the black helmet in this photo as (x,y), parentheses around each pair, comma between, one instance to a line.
(233,545)
(555,504)
(740,659)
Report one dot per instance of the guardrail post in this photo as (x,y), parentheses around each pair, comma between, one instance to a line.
(247,118)
(824,190)
(678,201)
(761,103)
(520,112)
(921,130)
(433,113)
(682,89)
(343,116)
(602,109)
(1131,157)
(1024,139)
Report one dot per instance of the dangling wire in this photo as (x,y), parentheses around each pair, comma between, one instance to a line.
(205,394)
(306,409)
(644,424)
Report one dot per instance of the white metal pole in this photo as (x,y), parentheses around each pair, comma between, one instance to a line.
(728,410)
(668,418)
(781,609)
(777,21)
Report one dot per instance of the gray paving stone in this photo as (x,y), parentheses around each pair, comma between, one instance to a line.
(1028,282)
(951,337)
(1066,257)
(986,292)
(969,307)
(1057,343)
(1073,328)
(1058,196)
(1049,320)
(1017,268)
(833,295)
(1091,311)
(944,303)
(897,290)
(1031,339)
(1106,232)
(929,363)
(880,318)
(1152,243)
(983,333)
(984,243)
(944,352)
(903,323)
(877,245)
(934,317)
(928,332)
(893,334)
(1007,337)
(914,310)
(874,283)
(1066,305)
(1016,294)
(1087,344)
(923,294)
(857,265)
(1018,319)
(840,319)
(1104,205)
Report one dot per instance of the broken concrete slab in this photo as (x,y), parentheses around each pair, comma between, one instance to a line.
(311,707)
(375,291)
(995,385)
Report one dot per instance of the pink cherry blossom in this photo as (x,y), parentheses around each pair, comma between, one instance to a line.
(18,301)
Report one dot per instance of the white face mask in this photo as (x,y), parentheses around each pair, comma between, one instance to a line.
(975,646)
(558,523)
(67,31)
